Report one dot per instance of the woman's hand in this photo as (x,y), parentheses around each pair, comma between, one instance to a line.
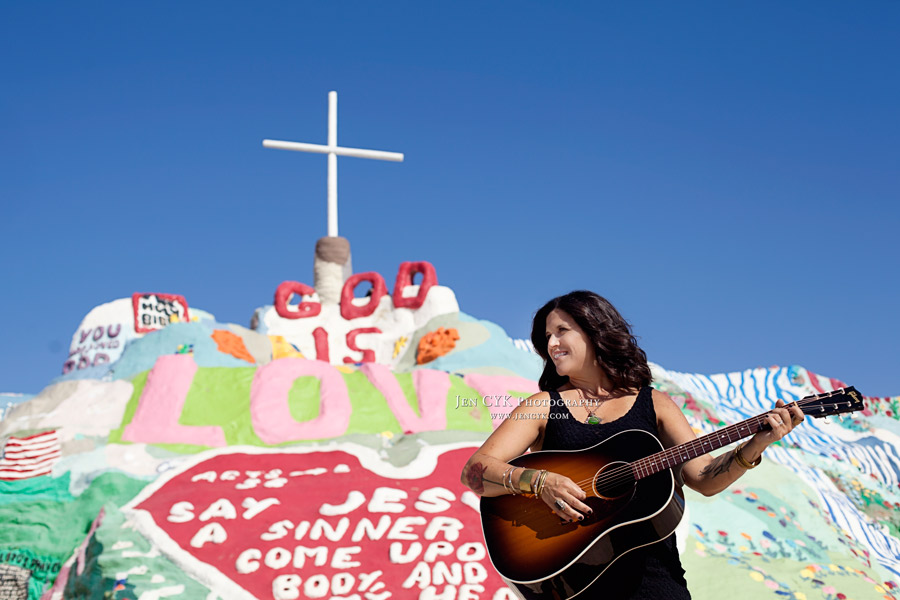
(781,420)
(564,498)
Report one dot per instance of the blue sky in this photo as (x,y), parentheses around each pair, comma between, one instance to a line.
(726,174)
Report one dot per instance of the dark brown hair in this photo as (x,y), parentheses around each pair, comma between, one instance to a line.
(618,353)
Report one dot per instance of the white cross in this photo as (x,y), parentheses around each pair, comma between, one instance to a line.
(333,151)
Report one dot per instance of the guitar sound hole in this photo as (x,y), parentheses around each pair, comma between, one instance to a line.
(614,481)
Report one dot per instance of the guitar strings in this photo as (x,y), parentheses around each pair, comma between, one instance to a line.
(624,473)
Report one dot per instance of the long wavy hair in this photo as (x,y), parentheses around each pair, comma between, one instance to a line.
(617,350)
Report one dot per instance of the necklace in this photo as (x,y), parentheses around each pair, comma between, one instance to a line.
(592,419)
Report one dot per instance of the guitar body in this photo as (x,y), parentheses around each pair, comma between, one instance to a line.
(544,558)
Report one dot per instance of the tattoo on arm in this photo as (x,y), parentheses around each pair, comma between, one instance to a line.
(719,465)
(475,477)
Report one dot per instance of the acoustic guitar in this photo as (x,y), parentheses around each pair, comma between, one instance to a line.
(632,490)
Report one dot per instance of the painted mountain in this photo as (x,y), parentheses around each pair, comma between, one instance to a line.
(317,454)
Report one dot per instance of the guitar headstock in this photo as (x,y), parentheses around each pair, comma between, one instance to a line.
(840,401)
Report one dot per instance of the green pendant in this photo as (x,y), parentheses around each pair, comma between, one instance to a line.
(592,420)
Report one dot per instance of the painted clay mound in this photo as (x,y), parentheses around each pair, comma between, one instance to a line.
(312,456)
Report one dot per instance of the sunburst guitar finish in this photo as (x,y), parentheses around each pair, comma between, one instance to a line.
(544,558)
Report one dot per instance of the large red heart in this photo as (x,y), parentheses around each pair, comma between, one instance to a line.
(338,523)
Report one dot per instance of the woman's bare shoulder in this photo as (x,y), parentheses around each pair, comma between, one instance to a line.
(535,403)
(661,398)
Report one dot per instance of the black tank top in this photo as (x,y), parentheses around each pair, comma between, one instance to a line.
(652,572)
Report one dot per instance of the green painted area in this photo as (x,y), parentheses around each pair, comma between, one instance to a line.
(772,498)
(519,395)
(54,527)
(37,488)
(92,582)
(769,528)
(204,404)
(371,413)
(220,396)
(302,398)
(750,577)
(477,418)
(135,558)
(409,391)
(43,569)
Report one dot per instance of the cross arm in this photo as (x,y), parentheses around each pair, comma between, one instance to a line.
(338,150)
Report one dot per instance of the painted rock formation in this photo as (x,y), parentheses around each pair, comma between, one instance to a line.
(312,456)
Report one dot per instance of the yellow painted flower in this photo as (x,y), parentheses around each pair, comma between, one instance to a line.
(879,589)
(700,546)
(799,595)
(806,573)
(756,576)
(743,548)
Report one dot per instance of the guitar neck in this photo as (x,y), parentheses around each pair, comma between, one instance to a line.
(836,402)
(676,455)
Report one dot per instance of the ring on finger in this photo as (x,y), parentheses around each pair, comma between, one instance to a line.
(560,504)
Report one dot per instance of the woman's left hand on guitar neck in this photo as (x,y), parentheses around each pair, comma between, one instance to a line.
(710,475)
(781,420)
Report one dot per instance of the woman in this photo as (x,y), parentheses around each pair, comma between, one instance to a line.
(595,384)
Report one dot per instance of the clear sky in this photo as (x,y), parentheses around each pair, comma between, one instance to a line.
(727,174)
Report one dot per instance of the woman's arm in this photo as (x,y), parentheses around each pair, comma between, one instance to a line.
(485,472)
(710,475)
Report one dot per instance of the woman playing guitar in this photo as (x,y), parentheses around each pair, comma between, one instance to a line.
(595,384)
